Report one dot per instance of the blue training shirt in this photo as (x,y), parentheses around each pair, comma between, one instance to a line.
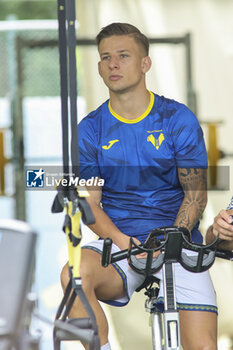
(138,160)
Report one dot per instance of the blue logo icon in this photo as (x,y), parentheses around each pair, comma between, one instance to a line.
(34,178)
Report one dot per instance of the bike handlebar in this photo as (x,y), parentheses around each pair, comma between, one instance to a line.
(106,255)
(170,248)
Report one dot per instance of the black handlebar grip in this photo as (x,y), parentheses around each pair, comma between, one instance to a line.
(106,255)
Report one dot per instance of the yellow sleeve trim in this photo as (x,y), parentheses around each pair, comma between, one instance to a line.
(136,120)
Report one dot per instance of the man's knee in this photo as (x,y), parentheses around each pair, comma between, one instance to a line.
(200,344)
(65,276)
(87,271)
(104,283)
(209,342)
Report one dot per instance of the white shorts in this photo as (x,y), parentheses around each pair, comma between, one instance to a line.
(194,291)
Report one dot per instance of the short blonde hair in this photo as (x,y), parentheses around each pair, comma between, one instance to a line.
(124,29)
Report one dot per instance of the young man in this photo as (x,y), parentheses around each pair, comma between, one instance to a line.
(223,228)
(150,152)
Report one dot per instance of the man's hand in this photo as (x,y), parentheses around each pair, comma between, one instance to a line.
(123,241)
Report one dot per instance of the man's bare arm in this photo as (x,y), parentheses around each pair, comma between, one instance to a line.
(194,184)
(104,227)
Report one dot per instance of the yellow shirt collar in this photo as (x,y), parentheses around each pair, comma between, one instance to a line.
(136,120)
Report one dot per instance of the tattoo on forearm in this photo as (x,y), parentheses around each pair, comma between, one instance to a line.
(193,179)
(194,183)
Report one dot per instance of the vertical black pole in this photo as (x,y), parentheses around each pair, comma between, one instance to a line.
(71,17)
(64,85)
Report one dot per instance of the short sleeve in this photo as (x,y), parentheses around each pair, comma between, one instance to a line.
(87,150)
(188,141)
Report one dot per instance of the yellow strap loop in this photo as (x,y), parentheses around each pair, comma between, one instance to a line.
(73,236)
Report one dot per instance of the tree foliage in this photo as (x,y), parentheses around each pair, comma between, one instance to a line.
(28,9)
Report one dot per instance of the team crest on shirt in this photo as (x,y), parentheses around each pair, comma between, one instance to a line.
(156,137)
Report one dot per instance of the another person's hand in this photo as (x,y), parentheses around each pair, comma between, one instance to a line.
(222,225)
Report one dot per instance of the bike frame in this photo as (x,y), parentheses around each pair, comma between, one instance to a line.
(165,327)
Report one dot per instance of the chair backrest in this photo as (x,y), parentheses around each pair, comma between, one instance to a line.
(17,262)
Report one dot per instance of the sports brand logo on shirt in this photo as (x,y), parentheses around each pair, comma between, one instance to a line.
(156,137)
(110,144)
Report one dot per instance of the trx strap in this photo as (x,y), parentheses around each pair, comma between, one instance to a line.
(70,198)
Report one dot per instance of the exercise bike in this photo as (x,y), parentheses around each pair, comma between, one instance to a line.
(170,245)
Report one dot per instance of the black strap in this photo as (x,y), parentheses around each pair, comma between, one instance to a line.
(68,72)
(62,44)
(67,39)
(64,300)
(73,85)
